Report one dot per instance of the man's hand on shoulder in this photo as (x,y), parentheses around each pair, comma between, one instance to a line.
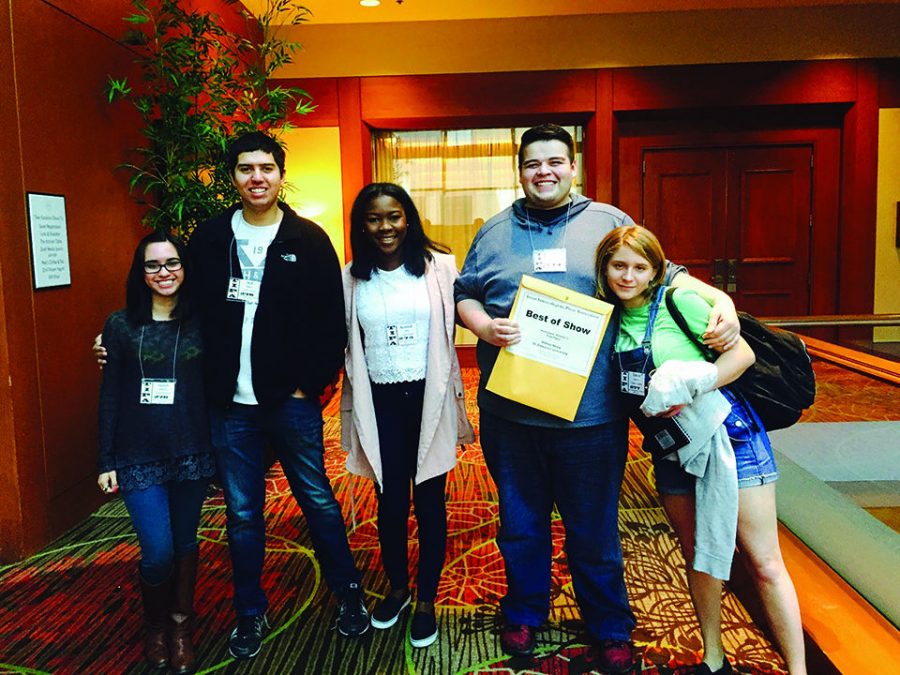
(99,350)
(724,329)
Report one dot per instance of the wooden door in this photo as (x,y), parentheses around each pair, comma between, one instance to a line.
(769,221)
(738,217)
(684,204)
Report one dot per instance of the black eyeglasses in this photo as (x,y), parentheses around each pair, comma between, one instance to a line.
(152,267)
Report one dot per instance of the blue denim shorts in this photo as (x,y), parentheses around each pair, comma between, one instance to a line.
(752,453)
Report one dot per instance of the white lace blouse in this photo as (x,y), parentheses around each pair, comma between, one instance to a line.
(394,314)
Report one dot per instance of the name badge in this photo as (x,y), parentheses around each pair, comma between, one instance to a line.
(399,334)
(549,260)
(631,382)
(243,290)
(157,391)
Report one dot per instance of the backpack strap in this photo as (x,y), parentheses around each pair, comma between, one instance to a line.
(682,324)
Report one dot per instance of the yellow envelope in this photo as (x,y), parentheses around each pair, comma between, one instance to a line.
(561,333)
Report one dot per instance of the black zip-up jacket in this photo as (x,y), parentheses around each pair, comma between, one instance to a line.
(299,331)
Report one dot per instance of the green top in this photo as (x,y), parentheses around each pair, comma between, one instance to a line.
(668,340)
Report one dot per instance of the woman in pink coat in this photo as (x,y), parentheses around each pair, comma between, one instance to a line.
(402,407)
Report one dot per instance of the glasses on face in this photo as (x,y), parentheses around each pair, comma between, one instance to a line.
(152,267)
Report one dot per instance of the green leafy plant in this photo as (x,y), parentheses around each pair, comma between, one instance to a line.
(201,85)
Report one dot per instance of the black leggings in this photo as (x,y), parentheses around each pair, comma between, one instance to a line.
(398,410)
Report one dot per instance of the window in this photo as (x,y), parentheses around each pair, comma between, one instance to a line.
(457,178)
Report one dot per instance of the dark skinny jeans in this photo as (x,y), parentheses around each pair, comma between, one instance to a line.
(398,410)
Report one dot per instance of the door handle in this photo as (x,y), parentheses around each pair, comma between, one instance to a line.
(718,273)
(732,276)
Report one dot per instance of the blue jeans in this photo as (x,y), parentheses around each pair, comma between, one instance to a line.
(165,518)
(294,430)
(752,453)
(580,470)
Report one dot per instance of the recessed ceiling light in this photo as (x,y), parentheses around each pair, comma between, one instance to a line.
(370,3)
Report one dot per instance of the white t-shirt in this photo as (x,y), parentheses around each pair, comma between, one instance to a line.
(395,313)
(252,243)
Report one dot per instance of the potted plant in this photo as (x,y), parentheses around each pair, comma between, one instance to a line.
(202,84)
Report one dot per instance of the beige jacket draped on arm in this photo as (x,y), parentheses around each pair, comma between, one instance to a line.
(444,422)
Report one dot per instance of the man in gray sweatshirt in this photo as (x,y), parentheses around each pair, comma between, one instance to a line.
(536,459)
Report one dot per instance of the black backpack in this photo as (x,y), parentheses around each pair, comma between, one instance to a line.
(781,384)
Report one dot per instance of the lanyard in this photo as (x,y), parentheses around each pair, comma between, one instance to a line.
(231,246)
(397,334)
(565,228)
(648,332)
(651,318)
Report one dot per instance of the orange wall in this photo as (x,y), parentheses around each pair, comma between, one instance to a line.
(887,250)
(12,206)
(60,137)
(313,170)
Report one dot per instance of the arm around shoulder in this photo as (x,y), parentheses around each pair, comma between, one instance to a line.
(723,329)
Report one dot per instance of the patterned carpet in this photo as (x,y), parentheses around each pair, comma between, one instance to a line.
(74,607)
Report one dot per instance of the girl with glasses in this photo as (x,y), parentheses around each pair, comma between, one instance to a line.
(154,439)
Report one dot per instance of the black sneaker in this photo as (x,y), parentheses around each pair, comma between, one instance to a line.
(353,617)
(424,630)
(724,669)
(246,638)
(388,610)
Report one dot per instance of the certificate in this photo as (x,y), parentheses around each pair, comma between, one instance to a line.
(561,334)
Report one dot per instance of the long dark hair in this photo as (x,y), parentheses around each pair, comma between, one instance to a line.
(139,297)
(417,246)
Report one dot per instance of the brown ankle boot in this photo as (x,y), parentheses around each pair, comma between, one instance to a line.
(181,614)
(156,602)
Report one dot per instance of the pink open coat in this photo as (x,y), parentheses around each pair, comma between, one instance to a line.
(444,421)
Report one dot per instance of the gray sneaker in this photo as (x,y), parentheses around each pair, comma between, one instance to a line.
(246,639)
(353,617)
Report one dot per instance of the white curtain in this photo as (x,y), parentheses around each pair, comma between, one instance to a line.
(457,178)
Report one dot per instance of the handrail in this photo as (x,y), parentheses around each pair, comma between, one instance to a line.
(854,359)
(833,320)
(848,356)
